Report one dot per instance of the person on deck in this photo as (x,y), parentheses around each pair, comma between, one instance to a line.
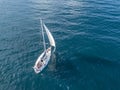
(39,65)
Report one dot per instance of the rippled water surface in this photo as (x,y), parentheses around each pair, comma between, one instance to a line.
(87,35)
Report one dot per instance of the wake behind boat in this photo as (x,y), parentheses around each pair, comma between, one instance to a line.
(44,58)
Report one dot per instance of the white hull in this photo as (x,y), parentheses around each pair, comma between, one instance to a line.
(45,56)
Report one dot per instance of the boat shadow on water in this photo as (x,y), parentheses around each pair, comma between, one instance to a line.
(52,63)
(81,67)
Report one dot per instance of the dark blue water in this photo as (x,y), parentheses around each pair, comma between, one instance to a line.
(87,35)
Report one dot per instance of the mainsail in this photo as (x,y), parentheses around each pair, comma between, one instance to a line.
(50,37)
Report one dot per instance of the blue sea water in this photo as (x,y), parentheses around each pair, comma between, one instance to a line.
(87,35)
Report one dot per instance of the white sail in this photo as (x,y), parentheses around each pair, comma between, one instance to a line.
(50,37)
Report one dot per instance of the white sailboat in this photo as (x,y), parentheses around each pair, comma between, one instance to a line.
(44,58)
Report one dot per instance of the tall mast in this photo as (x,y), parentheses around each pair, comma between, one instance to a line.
(43,35)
